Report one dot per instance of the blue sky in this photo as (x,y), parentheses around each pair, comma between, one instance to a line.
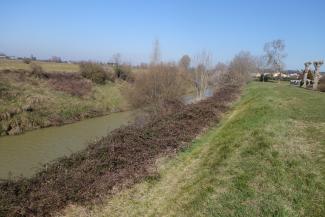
(94,30)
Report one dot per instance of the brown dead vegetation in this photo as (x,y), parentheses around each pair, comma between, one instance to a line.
(120,159)
(159,90)
(71,83)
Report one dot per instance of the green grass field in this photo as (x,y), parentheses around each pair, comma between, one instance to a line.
(266,158)
(47,66)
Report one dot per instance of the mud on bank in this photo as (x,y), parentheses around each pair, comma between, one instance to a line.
(121,159)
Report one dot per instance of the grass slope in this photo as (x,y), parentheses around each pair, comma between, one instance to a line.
(265,159)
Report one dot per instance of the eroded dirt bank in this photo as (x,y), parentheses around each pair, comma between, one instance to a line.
(118,160)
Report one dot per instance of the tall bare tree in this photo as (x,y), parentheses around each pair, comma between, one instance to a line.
(156,54)
(201,73)
(275,54)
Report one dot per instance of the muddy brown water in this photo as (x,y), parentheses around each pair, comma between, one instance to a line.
(24,154)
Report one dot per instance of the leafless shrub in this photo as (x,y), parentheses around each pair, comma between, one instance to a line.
(218,70)
(159,90)
(200,75)
(239,71)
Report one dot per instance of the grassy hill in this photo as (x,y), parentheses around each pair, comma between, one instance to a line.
(266,158)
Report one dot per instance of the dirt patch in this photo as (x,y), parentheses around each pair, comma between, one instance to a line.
(118,160)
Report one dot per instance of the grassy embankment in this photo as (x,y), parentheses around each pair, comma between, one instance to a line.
(266,158)
(28,102)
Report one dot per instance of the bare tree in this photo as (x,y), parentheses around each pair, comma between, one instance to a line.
(261,64)
(157,90)
(116,58)
(156,54)
(275,54)
(218,70)
(239,71)
(184,63)
(317,65)
(305,73)
(201,73)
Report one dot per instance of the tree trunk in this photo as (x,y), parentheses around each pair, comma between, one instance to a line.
(305,79)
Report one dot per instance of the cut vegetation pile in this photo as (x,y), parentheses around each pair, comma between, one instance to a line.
(121,159)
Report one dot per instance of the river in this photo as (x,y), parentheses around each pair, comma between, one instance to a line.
(24,154)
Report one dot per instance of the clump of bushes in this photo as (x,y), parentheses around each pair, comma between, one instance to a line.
(27,60)
(123,72)
(94,72)
(37,70)
(321,84)
(70,83)
(98,74)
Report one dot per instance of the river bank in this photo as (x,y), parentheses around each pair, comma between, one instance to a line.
(29,102)
(24,155)
(121,159)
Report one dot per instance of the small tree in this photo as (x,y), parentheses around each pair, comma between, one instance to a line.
(240,70)
(218,70)
(275,54)
(157,90)
(124,72)
(184,63)
(200,74)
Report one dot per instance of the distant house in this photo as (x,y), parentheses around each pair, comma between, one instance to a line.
(294,75)
(2,56)
(277,74)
